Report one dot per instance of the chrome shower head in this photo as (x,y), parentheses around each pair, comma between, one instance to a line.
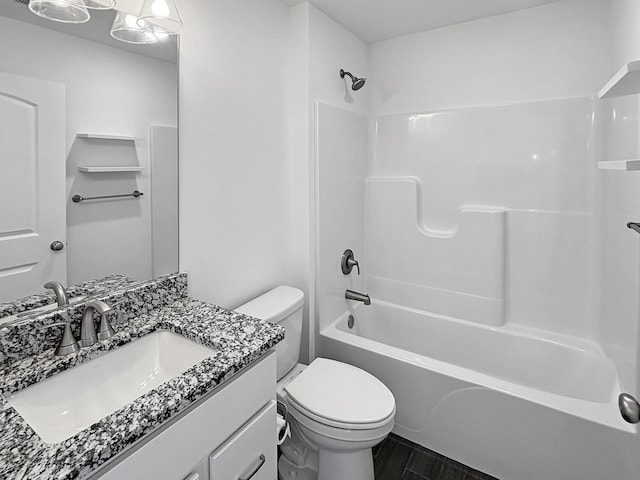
(356,83)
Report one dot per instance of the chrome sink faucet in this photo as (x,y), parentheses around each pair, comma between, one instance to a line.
(357,296)
(88,334)
(59,290)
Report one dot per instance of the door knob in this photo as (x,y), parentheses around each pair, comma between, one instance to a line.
(56,246)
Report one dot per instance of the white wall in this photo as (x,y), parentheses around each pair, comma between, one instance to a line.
(320,47)
(332,47)
(300,148)
(246,141)
(553,51)
(165,228)
(110,91)
(341,157)
(532,158)
(626,33)
(620,246)
(338,157)
(234,166)
(620,204)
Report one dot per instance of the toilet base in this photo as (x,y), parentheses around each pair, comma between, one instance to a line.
(356,465)
(307,455)
(332,465)
(289,471)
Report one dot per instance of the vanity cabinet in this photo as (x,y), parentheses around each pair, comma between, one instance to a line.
(242,456)
(228,435)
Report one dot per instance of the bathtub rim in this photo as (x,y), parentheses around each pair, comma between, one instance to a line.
(602,413)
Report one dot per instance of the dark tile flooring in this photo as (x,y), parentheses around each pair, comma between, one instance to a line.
(400,459)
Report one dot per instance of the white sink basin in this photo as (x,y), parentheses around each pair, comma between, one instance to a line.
(67,403)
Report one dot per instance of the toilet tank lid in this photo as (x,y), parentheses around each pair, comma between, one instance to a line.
(274,305)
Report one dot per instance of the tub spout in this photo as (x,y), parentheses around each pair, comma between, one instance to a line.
(357,296)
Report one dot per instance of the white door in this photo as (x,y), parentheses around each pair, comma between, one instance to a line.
(32,185)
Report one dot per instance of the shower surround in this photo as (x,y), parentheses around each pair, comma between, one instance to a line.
(482,240)
(489,209)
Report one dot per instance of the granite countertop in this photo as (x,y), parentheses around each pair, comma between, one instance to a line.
(239,339)
(47,297)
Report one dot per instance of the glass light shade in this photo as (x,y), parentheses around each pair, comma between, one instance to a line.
(65,11)
(160,16)
(126,29)
(100,4)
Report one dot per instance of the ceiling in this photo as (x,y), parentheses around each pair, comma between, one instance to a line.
(376,20)
(97,29)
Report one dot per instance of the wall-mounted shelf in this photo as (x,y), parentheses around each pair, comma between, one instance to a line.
(110,169)
(625,82)
(620,165)
(97,136)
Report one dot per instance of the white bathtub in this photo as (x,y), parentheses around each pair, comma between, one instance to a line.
(515,403)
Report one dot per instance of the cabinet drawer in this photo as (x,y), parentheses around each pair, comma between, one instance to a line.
(251,452)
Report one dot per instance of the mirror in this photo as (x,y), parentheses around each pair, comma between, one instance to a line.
(84,115)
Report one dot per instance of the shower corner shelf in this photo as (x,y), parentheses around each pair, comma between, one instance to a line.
(109,169)
(620,165)
(625,82)
(99,136)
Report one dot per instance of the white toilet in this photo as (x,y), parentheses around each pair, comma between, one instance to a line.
(337,411)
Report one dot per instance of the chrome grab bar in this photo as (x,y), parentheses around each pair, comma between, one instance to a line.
(80,198)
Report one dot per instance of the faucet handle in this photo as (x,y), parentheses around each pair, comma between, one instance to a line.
(105,330)
(348,262)
(68,343)
(88,334)
(355,263)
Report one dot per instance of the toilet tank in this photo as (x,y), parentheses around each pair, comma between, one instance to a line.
(282,305)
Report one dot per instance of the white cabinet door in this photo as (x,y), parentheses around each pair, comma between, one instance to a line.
(32,184)
(250,454)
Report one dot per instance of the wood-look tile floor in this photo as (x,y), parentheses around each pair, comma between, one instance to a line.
(400,459)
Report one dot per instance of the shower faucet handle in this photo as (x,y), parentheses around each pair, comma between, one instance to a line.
(348,262)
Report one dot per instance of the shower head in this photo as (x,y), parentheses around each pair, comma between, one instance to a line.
(356,83)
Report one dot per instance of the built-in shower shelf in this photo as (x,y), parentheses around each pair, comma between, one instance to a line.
(110,169)
(99,136)
(625,82)
(620,165)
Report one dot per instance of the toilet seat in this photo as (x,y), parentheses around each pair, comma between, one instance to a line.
(301,411)
(343,433)
(341,396)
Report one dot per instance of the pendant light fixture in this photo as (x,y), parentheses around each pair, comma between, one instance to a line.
(160,16)
(126,29)
(65,11)
(100,4)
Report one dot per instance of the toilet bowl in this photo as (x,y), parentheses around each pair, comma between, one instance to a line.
(340,412)
(337,411)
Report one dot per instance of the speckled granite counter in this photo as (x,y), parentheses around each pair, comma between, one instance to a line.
(240,340)
(129,299)
(91,287)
